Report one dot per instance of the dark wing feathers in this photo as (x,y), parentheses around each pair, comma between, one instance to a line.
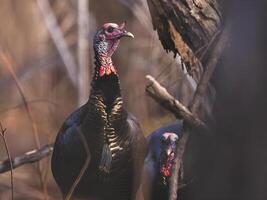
(148,176)
(139,152)
(68,144)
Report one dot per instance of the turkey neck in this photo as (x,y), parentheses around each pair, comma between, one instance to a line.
(108,86)
(106,119)
(105,100)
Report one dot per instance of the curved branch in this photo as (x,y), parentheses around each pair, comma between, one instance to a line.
(194,106)
(58,39)
(166,100)
(26,158)
(3,135)
(205,78)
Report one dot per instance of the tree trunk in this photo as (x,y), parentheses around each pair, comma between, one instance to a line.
(187,28)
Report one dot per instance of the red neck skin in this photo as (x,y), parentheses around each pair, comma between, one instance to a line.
(104,66)
(165,169)
(105,80)
(103,52)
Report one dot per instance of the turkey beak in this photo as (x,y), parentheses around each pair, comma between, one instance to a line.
(127,34)
(124,32)
(168,151)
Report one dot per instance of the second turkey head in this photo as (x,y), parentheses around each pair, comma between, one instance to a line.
(106,42)
(168,148)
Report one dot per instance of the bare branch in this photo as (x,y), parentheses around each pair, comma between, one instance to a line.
(205,78)
(35,101)
(26,158)
(8,65)
(200,91)
(174,183)
(3,135)
(83,50)
(166,100)
(58,39)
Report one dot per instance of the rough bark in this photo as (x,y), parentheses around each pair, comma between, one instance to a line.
(209,69)
(194,107)
(161,95)
(186,27)
(189,28)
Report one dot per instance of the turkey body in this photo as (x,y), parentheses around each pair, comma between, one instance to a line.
(153,186)
(98,122)
(113,136)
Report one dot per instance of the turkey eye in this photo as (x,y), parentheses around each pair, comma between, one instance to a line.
(163,140)
(110,29)
(176,139)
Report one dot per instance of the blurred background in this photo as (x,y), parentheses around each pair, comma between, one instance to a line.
(46,63)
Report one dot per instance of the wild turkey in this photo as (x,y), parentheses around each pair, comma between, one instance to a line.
(114,138)
(162,145)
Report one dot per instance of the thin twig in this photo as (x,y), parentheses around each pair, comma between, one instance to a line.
(26,158)
(83,50)
(58,39)
(3,135)
(209,45)
(161,95)
(83,169)
(205,78)
(7,63)
(140,11)
(45,101)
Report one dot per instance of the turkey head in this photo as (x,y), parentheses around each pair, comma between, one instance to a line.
(106,42)
(168,148)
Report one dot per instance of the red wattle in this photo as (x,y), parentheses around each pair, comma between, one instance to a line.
(165,172)
(102,71)
(106,70)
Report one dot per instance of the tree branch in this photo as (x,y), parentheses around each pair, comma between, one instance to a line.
(174,182)
(3,135)
(166,100)
(194,106)
(28,157)
(8,65)
(58,38)
(205,78)
(83,50)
